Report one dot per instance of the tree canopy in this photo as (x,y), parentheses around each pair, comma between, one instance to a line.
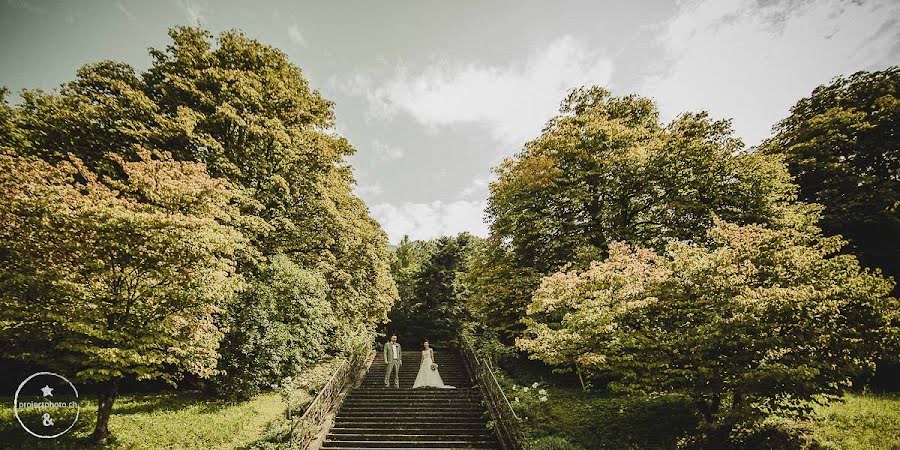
(603,170)
(841,146)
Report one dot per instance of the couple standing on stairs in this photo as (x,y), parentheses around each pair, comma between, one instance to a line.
(428,375)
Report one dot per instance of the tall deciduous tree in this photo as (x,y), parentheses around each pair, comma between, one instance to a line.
(757,320)
(605,169)
(841,144)
(243,109)
(116,278)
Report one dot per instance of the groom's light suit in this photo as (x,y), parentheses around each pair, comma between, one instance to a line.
(393,358)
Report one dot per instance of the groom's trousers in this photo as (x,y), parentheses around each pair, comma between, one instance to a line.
(392,366)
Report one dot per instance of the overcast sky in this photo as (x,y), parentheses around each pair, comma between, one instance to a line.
(433,94)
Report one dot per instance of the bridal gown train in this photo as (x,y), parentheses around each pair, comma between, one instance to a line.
(428,377)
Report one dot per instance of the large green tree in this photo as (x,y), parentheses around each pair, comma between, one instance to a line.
(245,111)
(841,145)
(755,321)
(605,169)
(116,278)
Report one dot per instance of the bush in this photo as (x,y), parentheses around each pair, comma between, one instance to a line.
(278,326)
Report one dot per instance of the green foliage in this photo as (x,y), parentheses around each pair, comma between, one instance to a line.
(97,282)
(757,321)
(594,420)
(151,247)
(606,170)
(241,108)
(278,326)
(552,443)
(840,144)
(431,274)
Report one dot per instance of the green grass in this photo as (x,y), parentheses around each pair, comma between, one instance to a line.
(166,420)
(573,419)
(860,422)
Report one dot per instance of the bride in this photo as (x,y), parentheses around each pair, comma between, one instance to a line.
(428,371)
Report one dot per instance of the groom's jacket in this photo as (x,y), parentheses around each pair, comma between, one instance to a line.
(389,355)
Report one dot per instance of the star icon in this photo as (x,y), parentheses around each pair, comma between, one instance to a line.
(47,391)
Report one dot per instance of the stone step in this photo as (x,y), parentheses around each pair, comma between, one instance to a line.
(410,444)
(406,436)
(413,428)
(374,416)
(419,424)
(407,415)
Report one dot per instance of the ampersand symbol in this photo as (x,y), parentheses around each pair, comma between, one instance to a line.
(47,420)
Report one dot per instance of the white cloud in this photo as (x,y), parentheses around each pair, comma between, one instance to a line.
(512,101)
(477,188)
(430,220)
(125,11)
(296,36)
(386,152)
(196,12)
(751,63)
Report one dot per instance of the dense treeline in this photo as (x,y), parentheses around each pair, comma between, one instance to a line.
(430,279)
(668,259)
(196,217)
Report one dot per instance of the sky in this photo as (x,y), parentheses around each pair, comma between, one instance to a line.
(434,94)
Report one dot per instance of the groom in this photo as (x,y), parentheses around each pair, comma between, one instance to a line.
(393,359)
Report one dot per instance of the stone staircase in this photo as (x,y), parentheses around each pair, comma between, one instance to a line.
(373,416)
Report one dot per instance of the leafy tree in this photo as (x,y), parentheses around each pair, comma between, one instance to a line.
(280,324)
(244,110)
(841,146)
(116,278)
(406,263)
(241,108)
(604,170)
(435,305)
(757,320)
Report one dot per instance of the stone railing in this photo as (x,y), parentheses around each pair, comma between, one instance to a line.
(305,430)
(506,422)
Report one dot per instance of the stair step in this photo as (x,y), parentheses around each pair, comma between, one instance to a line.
(411,444)
(373,416)
(413,429)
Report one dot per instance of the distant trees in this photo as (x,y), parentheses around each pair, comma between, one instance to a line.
(218,175)
(841,145)
(606,170)
(430,278)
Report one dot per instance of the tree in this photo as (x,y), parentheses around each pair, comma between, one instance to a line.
(434,306)
(241,108)
(279,325)
(605,170)
(245,111)
(757,320)
(115,278)
(841,146)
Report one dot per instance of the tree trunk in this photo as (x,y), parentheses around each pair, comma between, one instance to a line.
(109,390)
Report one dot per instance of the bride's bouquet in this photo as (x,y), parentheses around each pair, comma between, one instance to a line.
(433,366)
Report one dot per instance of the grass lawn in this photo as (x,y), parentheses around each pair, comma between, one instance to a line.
(165,420)
(861,422)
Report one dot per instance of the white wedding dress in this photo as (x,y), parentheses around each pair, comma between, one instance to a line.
(428,377)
